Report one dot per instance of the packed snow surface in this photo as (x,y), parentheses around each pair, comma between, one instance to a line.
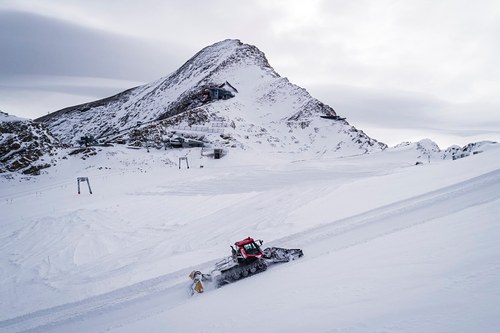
(389,246)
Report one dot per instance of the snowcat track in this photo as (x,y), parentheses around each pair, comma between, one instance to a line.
(240,272)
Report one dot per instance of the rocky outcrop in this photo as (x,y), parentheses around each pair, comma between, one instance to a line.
(25,146)
(457,152)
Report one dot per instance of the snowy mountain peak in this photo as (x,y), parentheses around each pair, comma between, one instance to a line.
(229,86)
(214,58)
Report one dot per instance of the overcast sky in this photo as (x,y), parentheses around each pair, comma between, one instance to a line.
(399,70)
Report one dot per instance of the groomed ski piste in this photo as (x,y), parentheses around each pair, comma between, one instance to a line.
(389,246)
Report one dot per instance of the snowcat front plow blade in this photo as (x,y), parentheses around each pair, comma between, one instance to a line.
(198,278)
(279,254)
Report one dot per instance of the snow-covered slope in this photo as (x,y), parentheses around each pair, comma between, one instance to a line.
(267,112)
(389,246)
(403,239)
(5,117)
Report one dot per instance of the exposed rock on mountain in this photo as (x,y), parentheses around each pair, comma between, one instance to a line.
(25,146)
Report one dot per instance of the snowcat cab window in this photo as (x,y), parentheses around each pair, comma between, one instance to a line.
(251,248)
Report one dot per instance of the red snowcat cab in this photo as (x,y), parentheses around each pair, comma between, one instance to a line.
(247,250)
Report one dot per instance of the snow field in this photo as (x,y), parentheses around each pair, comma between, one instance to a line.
(388,246)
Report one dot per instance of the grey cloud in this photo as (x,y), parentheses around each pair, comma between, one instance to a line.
(398,111)
(388,108)
(36,45)
(81,86)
